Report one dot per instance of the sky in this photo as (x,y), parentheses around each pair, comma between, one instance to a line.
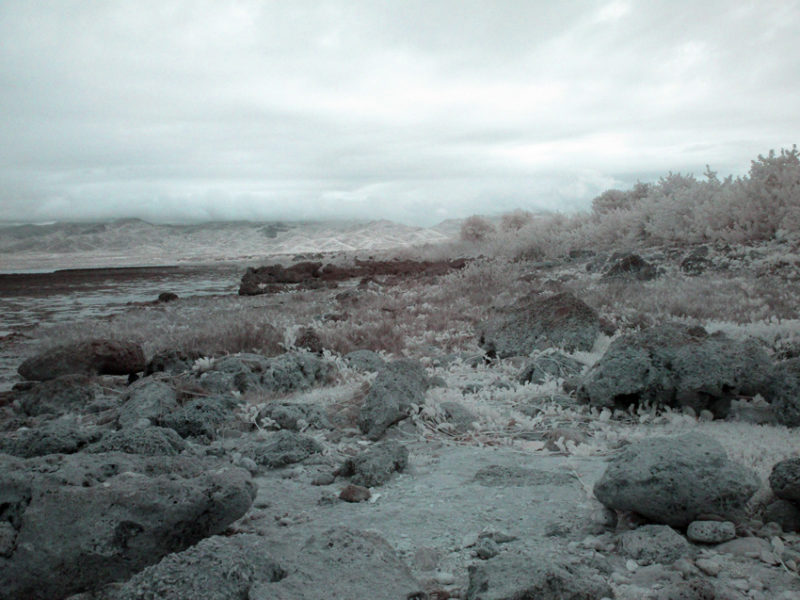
(412,110)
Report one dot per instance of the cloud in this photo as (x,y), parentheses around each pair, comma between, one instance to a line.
(179,110)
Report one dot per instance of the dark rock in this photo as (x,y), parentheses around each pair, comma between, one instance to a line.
(256,281)
(201,418)
(281,448)
(293,416)
(342,563)
(674,365)
(784,513)
(218,568)
(375,466)
(308,339)
(675,481)
(539,323)
(65,394)
(552,365)
(354,493)
(653,544)
(252,372)
(784,392)
(93,357)
(62,436)
(172,362)
(398,385)
(147,402)
(631,266)
(365,360)
(785,479)
(83,520)
(148,441)
(167,297)
(546,576)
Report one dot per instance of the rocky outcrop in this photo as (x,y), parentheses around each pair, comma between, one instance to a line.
(93,357)
(398,385)
(541,322)
(675,481)
(147,441)
(61,436)
(675,365)
(82,520)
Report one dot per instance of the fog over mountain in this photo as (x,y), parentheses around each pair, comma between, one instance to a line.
(412,110)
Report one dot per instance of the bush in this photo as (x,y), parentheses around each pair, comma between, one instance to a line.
(516,220)
(476,229)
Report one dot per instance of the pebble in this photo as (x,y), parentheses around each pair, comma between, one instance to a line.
(486,548)
(323,479)
(469,540)
(711,532)
(709,566)
(631,565)
(354,493)
(445,578)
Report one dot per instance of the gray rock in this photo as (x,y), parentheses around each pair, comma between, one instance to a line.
(149,441)
(539,323)
(200,418)
(784,392)
(83,520)
(694,589)
(355,493)
(653,544)
(62,436)
(486,548)
(785,479)
(631,267)
(675,481)
(460,417)
(92,357)
(710,532)
(65,394)
(398,385)
(342,563)
(365,360)
(784,513)
(677,366)
(291,416)
(281,448)
(376,465)
(546,576)
(218,568)
(252,372)
(149,399)
(552,365)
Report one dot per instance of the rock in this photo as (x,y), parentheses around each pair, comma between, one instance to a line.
(167,297)
(342,563)
(62,436)
(93,357)
(710,532)
(552,365)
(460,417)
(365,360)
(281,448)
(149,441)
(323,479)
(784,513)
(375,466)
(541,322)
(284,373)
(546,576)
(218,568)
(653,544)
(696,262)
(785,479)
(631,266)
(172,362)
(308,339)
(694,589)
(784,392)
(83,520)
(62,395)
(200,418)
(398,385)
(677,366)
(149,399)
(257,281)
(561,435)
(486,548)
(676,480)
(294,416)
(709,566)
(355,493)
(751,547)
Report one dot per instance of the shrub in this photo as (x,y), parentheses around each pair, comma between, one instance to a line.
(516,220)
(476,229)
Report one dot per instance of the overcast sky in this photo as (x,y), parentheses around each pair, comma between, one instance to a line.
(417,111)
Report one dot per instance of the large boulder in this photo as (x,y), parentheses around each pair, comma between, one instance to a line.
(675,365)
(148,441)
(94,357)
(675,481)
(64,394)
(784,392)
(61,436)
(398,385)
(376,465)
(82,520)
(201,417)
(146,402)
(542,322)
(785,479)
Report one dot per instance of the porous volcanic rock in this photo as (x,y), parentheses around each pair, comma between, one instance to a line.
(675,481)
(653,544)
(541,322)
(61,436)
(675,365)
(375,466)
(296,415)
(148,441)
(784,392)
(631,266)
(398,385)
(83,520)
(146,402)
(281,448)
(65,394)
(202,417)
(92,357)
(785,479)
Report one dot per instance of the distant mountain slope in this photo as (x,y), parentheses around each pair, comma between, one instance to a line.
(137,242)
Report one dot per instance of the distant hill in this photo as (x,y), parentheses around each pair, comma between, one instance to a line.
(136,242)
